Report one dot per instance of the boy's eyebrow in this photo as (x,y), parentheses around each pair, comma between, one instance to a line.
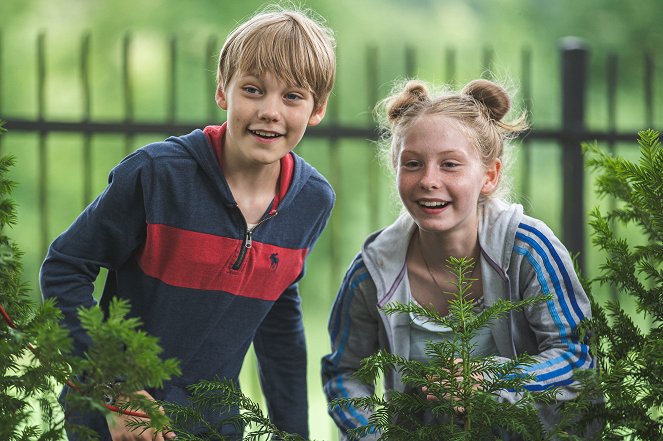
(258,77)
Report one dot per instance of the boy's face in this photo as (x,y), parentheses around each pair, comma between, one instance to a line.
(266,118)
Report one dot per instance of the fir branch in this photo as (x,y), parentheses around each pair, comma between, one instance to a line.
(629,357)
(220,396)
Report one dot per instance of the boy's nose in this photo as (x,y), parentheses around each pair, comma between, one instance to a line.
(269,110)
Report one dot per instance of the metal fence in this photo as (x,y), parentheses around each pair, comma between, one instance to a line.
(574,79)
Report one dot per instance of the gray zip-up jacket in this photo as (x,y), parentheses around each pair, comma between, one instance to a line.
(520,257)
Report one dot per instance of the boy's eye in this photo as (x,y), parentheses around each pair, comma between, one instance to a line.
(293,96)
(251,89)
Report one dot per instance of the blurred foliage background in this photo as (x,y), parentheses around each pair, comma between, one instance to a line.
(385,28)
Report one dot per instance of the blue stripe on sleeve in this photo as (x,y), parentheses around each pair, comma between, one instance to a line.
(356,265)
(343,303)
(544,290)
(560,265)
(553,276)
(569,358)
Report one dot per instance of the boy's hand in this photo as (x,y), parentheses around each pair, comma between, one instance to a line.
(120,431)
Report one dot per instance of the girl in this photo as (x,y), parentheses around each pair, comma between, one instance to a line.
(448,152)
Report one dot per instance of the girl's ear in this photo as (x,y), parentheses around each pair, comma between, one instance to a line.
(492,177)
(318,114)
(220,97)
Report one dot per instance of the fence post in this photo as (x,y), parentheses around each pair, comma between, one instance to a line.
(574,72)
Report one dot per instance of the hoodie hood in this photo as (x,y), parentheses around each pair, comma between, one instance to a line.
(385,251)
(198,145)
(498,222)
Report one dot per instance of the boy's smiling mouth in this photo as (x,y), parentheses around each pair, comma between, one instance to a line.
(265,134)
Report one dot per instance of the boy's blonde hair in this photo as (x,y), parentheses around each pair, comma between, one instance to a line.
(290,44)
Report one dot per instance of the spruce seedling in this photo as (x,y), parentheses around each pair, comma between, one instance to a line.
(464,384)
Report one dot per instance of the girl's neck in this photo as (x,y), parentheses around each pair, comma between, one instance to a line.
(438,247)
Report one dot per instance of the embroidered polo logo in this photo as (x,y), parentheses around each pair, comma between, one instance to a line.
(274,259)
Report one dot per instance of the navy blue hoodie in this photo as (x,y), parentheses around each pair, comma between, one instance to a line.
(177,247)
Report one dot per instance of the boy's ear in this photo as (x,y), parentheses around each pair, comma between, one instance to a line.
(318,114)
(220,97)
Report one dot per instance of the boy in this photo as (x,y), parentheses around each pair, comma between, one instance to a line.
(206,234)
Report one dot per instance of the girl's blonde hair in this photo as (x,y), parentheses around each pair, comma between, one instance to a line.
(291,44)
(479,108)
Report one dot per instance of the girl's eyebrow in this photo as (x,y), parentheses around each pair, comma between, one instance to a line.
(443,152)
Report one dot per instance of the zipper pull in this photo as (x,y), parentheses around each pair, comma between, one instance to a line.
(247,241)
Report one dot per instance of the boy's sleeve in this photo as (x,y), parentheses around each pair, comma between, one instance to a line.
(353,330)
(105,234)
(280,347)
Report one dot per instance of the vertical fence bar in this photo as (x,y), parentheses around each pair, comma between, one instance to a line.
(172,85)
(611,94)
(526,84)
(334,224)
(450,62)
(87,134)
(574,78)
(127,92)
(373,165)
(649,112)
(335,227)
(487,62)
(649,90)
(42,159)
(410,61)
(210,80)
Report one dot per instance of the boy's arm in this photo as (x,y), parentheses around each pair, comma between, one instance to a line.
(280,347)
(104,235)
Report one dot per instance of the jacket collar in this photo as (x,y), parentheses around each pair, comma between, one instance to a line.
(384,252)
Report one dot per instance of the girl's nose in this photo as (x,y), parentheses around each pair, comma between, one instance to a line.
(430,179)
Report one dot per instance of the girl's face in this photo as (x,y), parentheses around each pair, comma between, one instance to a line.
(440,176)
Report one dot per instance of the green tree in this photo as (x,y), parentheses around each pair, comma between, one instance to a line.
(36,351)
(630,356)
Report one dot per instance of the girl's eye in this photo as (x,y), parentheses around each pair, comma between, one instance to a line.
(449,164)
(411,164)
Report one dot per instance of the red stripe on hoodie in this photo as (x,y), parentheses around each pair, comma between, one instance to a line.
(203,261)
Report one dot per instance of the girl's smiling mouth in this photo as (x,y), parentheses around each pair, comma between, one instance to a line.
(433,204)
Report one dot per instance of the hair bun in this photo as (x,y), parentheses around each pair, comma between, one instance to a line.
(495,99)
(413,93)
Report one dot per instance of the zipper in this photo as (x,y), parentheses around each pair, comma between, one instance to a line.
(248,241)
